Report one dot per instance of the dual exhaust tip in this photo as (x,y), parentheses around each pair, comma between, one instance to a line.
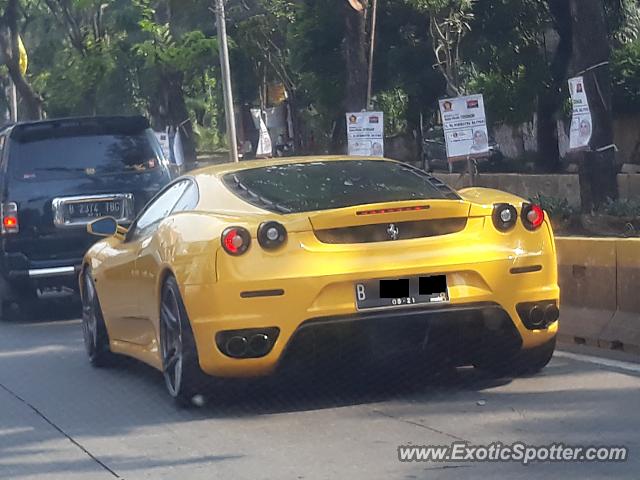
(537,316)
(247,343)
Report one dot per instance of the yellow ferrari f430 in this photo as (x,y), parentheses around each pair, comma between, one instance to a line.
(237,270)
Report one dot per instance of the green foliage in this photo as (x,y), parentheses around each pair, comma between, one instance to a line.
(501,48)
(557,208)
(625,70)
(622,208)
(394,103)
(441,6)
(624,20)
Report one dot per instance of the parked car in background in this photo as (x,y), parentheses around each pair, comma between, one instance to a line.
(434,155)
(58,175)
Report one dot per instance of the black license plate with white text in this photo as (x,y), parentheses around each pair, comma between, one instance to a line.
(401,292)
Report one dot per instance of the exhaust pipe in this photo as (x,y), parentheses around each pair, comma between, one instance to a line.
(536,316)
(259,344)
(237,347)
(551,314)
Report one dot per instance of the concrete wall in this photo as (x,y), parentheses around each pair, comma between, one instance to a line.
(516,140)
(599,284)
(528,186)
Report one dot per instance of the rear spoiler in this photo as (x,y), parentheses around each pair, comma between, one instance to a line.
(82,126)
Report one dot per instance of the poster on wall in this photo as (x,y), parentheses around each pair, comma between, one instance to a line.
(581,121)
(265,145)
(365,133)
(165,144)
(465,127)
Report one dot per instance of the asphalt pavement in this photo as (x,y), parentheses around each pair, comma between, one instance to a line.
(62,419)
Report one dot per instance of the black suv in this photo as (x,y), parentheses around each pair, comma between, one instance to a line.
(55,177)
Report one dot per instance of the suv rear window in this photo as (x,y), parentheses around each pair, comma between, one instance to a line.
(86,155)
(305,187)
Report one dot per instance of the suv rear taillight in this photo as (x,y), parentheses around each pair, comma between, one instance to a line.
(10,223)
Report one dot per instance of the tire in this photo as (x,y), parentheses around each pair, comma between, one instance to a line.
(180,366)
(521,363)
(94,330)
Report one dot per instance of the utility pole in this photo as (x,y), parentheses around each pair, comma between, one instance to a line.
(226,81)
(372,47)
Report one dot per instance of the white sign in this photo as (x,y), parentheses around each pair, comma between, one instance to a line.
(163,139)
(581,122)
(265,146)
(365,132)
(465,127)
(178,150)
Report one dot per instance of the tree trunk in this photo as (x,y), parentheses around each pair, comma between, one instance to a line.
(550,102)
(591,46)
(355,57)
(10,54)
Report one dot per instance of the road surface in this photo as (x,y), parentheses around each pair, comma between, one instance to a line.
(62,419)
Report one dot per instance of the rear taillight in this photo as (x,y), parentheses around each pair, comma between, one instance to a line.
(271,235)
(532,216)
(10,223)
(504,216)
(236,240)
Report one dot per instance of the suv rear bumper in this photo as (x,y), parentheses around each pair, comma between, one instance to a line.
(22,276)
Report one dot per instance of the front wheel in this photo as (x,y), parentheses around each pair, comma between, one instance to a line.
(523,362)
(182,374)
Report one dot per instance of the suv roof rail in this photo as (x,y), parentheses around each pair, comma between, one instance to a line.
(76,126)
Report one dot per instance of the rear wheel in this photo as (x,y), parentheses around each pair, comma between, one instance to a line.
(182,374)
(523,362)
(94,330)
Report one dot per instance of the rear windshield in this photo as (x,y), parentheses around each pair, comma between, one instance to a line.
(306,187)
(90,155)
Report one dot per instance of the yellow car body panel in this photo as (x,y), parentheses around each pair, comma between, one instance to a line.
(317,279)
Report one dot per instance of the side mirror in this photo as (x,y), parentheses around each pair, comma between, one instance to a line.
(103,227)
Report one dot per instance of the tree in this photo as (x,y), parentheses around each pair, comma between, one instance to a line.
(449,23)
(10,55)
(170,60)
(591,54)
(355,58)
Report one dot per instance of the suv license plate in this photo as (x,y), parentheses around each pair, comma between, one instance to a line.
(92,210)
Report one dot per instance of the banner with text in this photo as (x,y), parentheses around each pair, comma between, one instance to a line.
(581,122)
(365,133)
(465,127)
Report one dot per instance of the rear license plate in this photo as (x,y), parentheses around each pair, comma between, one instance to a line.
(401,292)
(90,210)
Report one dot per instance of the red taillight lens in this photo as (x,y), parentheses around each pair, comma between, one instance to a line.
(532,216)
(236,240)
(10,223)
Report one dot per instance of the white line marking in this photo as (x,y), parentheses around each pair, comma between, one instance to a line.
(604,362)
